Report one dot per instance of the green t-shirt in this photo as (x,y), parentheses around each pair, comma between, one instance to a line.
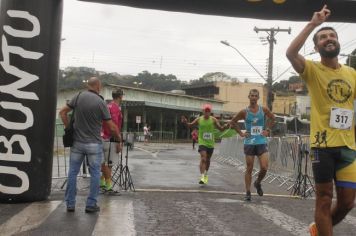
(206,132)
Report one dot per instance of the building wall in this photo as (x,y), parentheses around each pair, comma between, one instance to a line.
(164,99)
(154,98)
(284,104)
(235,95)
(303,105)
(162,111)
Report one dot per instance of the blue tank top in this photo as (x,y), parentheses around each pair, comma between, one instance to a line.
(255,123)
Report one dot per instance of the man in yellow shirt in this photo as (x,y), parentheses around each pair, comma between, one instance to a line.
(332,88)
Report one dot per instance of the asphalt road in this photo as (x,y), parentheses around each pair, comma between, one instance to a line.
(169,201)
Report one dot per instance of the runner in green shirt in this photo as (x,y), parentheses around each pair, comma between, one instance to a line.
(206,140)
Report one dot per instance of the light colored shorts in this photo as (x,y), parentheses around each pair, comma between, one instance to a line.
(110,156)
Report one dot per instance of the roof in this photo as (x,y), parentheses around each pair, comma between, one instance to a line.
(166,93)
(167,106)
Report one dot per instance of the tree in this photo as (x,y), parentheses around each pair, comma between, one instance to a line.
(212,77)
(283,85)
(75,77)
(216,76)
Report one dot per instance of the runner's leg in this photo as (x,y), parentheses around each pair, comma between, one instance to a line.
(203,161)
(263,159)
(208,161)
(345,201)
(323,220)
(248,174)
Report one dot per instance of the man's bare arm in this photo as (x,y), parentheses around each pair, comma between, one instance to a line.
(63,113)
(241,115)
(269,123)
(296,59)
(193,123)
(217,125)
(271,118)
(113,129)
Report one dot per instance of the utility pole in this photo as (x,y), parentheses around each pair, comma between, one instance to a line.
(271,40)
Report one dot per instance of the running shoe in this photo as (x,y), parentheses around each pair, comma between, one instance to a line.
(313,230)
(258,188)
(112,192)
(102,189)
(206,179)
(202,179)
(248,196)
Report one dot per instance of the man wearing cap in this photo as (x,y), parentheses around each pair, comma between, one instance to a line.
(206,141)
(255,142)
(111,148)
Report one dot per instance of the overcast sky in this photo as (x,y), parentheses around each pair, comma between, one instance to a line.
(127,40)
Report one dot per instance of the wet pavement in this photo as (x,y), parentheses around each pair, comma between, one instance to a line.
(169,201)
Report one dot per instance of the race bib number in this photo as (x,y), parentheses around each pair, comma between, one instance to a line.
(341,118)
(207,136)
(256,130)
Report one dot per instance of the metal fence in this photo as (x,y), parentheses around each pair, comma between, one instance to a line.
(61,155)
(289,162)
(154,136)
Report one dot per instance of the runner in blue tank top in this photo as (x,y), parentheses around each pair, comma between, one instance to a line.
(255,143)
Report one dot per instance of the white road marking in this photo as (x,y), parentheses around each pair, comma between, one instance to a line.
(153,154)
(284,221)
(115,218)
(29,218)
(195,212)
(280,219)
(212,192)
(351,220)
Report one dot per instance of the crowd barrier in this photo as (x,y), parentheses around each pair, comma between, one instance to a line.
(153,137)
(61,155)
(288,157)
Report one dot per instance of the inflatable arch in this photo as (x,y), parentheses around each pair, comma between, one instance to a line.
(30,33)
(296,10)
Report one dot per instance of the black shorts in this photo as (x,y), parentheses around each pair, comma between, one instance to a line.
(255,150)
(335,163)
(209,151)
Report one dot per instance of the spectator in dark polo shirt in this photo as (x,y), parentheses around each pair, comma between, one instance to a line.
(90,112)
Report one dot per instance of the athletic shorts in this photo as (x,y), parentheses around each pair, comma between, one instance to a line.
(208,150)
(255,150)
(338,163)
(110,156)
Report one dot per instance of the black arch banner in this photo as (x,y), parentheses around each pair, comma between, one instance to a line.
(30,33)
(295,10)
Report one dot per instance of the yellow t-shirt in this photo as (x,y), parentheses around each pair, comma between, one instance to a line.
(329,88)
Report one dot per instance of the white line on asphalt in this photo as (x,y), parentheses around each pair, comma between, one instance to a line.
(288,223)
(203,220)
(29,218)
(212,192)
(351,220)
(115,218)
(153,154)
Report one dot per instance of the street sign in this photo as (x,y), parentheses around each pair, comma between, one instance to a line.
(138,119)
